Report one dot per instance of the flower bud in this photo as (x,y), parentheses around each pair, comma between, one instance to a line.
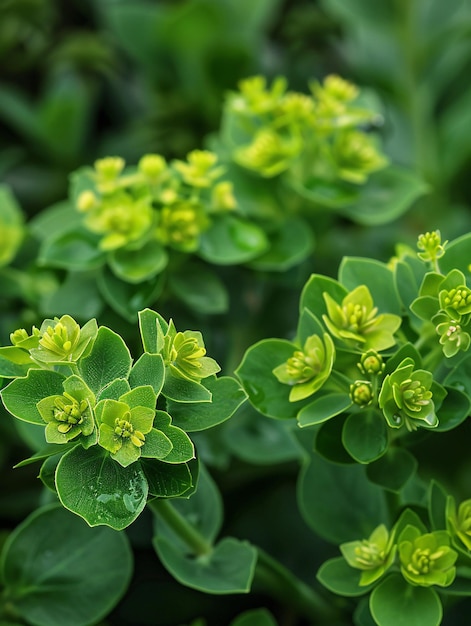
(361,393)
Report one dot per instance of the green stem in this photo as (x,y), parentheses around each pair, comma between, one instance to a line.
(273,578)
(188,533)
(270,576)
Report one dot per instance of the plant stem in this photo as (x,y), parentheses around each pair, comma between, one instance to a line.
(188,533)
(270,577)
(280,583)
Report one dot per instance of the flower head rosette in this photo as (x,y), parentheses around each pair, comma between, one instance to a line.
(373,556)
(69,415)
(61,340)
(456,302)
(200,170)
(453,337)
(308,369)
(426,559)
(180,226)
(124,424)
(406,397)
(356,323)
(356,156)
(121,219)
(185,354)
(459,521)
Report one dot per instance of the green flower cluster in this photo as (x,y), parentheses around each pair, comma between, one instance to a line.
(316,136)
(424,558)
(170,203)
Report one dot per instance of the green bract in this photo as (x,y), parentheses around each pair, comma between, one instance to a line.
(355,321)
(123,428)
(185,354)
(452,336)
(459,519)
(69,415)
(374,555)
(426,559)
(406,397)
(308,369)
(62,340)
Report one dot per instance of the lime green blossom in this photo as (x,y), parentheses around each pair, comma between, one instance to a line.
(356,156)
(62,340)
(21,339)
(431,245)
(426,559)
(356,321)
(68,415)
(371,363)
(342,90)
(456,302)
(255,98)
(200,170)
(406,398)
(222,197)
(123,428)
(307,369)
(460,521)
(87,201)
(153,167)
(107,172)
(269,154)
(181,225)
(361,393)
(121,219)
(452,336)
(374,555)
(185,354)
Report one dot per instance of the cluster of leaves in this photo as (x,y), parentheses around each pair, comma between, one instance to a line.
(407,565)
(115,430)
(379,355)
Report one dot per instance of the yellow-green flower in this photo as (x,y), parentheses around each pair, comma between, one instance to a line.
(185,354)
(460,521)
(153,167)
(107,172)
(123,429)
(68,415)
(355,156)
(406,397)
(121,220)
(254,98)
(361,393)
(356,322)
(371,363)
(426,559)
(181,225)
(431,246)
(374,555)
(270,153)
(62,340)
(453,337)
(308,369)
(200,170)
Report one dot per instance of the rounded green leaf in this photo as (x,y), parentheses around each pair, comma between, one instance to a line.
(109,359)
(21,396)
(365,435)
(377,276)
(99,489)
(387,195)
(127,299)
(323,408)
(393,470)
(338,502)
(265,392)
(339,577)
(227,569)
(57,570)
(76,249)
(166,480)
(182,446)
(456,256)
(290,244)
(232,240)
(255,617)
(138,265)
(396,603)
(200,289)
(184,390)
(454,409)
(227,396)
(328,441)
